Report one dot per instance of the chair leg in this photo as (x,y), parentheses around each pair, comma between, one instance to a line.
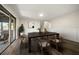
(41,50)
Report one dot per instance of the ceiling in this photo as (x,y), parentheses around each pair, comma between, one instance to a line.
(49,11)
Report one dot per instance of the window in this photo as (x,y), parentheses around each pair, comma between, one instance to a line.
(5,26)
(0,28)
(4,31)
(13,34)
(12,26)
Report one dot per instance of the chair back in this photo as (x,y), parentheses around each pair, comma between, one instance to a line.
(6,35)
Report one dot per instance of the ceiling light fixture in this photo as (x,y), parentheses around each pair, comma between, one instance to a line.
(41,15)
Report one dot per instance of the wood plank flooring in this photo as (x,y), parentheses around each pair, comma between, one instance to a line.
(66,49)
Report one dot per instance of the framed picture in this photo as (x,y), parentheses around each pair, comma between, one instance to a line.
(34,25)
(31,25)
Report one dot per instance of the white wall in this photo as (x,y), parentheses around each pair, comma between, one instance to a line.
(37,24)
(26,22)
(13,12)
(67,26)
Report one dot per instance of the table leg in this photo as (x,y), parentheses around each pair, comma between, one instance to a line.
(29,45)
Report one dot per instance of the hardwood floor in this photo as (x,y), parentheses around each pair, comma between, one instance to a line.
(66,49)
(70,47)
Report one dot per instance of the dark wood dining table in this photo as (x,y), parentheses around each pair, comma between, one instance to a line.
(39,34)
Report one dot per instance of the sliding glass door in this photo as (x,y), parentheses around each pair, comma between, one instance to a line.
(7,30)
(13,29)
(0,28)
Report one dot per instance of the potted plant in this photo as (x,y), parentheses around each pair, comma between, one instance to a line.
(21,30)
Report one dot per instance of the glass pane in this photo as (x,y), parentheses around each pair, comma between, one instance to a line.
(13,35)
(0,28)
(12,26)
(4,31)
(5,26)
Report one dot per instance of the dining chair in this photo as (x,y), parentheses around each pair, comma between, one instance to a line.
(56,42)
(43,44)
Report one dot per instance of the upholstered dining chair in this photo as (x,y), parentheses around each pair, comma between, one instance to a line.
(4,37)
(44,44)
(56,42)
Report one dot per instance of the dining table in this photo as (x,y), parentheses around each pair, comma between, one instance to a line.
(39,34)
